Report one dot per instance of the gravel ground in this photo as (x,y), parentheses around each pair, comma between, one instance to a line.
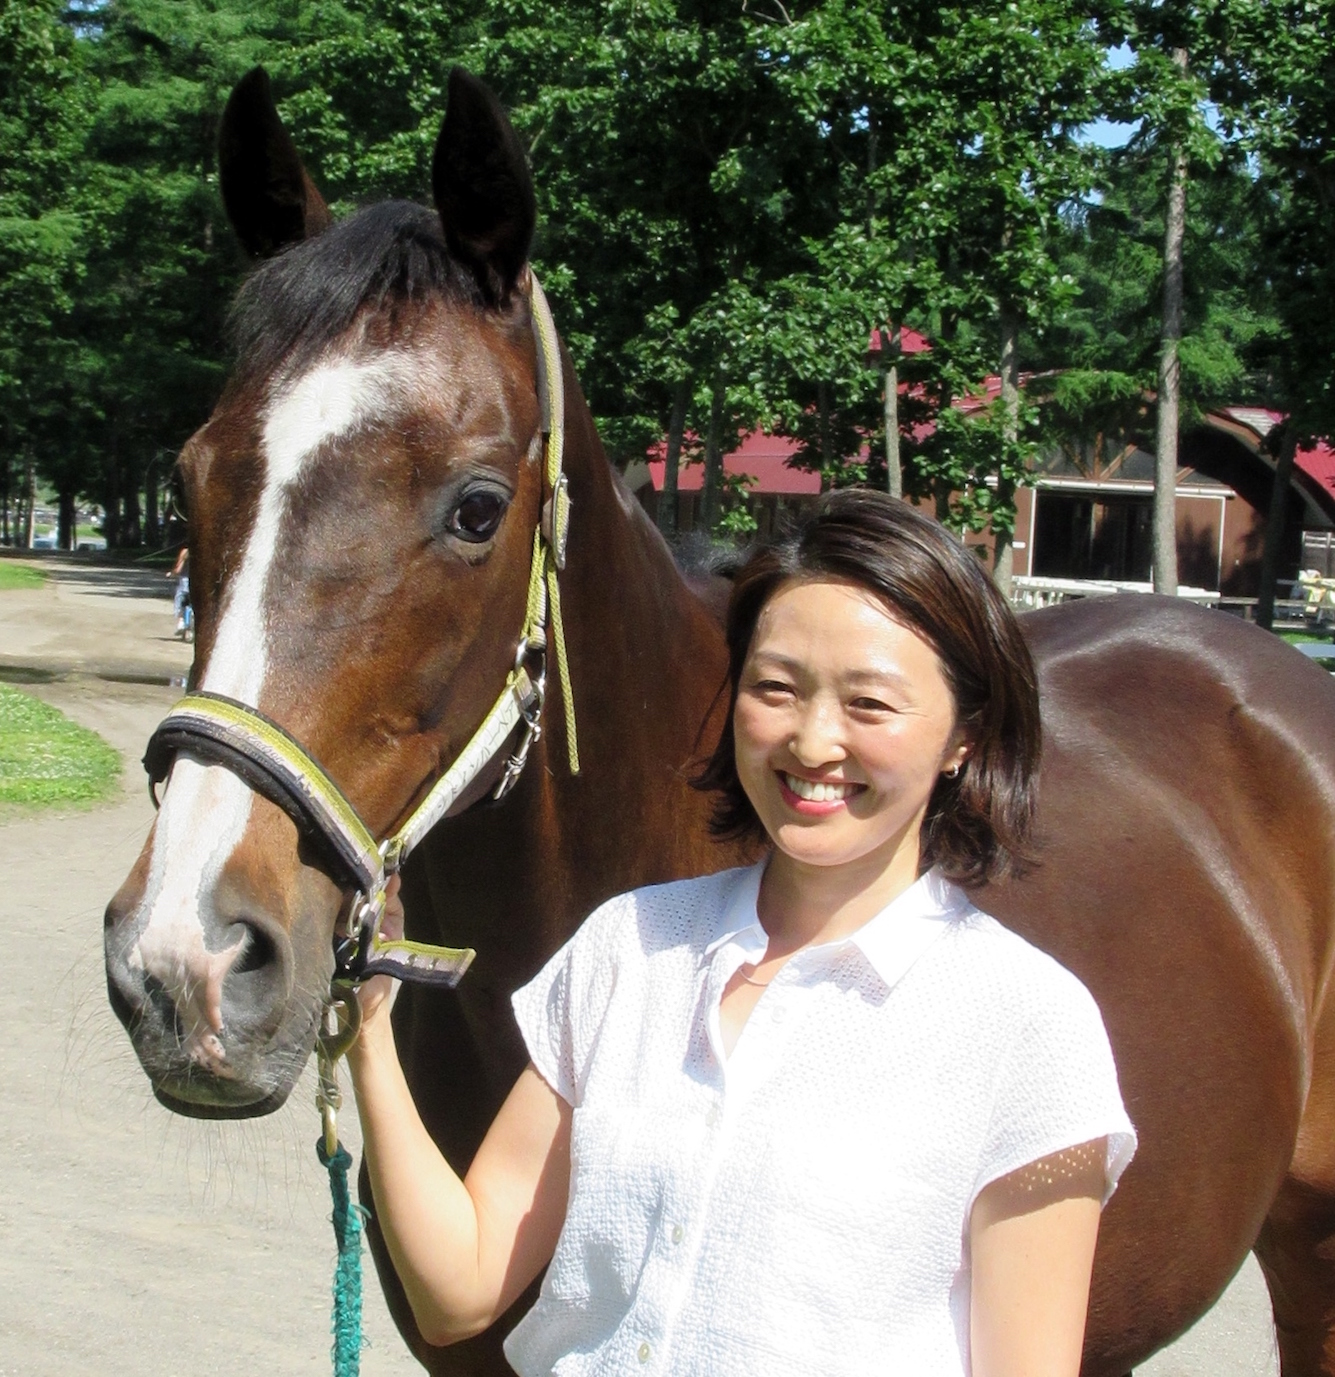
(137,1243)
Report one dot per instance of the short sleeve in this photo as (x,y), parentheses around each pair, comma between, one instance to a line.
(1057,1088)
(561,1009)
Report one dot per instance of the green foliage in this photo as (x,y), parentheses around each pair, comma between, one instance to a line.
(731,197)
(1276,82)
(1107,339)
(47,759)
(43,109)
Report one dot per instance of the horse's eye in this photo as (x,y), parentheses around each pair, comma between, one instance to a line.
(478,515)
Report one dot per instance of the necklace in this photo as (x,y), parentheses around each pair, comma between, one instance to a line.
(759,984)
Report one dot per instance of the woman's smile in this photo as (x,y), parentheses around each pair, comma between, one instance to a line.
(814,797)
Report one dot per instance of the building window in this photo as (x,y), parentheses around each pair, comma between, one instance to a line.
(1081,535)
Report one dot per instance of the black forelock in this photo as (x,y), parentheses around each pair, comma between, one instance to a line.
(295,304)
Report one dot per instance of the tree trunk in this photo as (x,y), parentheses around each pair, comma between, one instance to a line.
(4,500)
(30,502)
(712,495)
(67,538)
(1274,530)
(111,498)
(1170,372)
(151,530)
(132,532)
(667,499)
(1003,556)
(894,471)
(826,448)
(940,488)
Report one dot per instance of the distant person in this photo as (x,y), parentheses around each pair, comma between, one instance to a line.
(180,571)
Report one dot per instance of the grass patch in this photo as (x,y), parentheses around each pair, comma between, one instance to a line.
(20,576)
(45,758)
(1300,637)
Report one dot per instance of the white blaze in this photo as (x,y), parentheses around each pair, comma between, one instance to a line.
(206,808)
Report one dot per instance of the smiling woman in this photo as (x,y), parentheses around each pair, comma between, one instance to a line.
(898,628)
(47,759)
(818,1114)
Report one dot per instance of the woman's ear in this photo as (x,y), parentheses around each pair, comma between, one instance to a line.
(956,756)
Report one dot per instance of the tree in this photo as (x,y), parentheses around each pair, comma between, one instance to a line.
(42,113)
(1164,92)
(956,132)
(1106,350)
(161,263)
(1276,86)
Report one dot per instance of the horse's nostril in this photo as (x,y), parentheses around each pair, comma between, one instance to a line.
(157,998)
(259,952)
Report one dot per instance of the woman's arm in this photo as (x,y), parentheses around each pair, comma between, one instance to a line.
(1032,1236)
(463,1250)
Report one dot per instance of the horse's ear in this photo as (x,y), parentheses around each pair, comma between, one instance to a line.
(482,186)
(270,200)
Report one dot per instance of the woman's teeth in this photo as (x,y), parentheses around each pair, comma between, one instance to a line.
(818,792)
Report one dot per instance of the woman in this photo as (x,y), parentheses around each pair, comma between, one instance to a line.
(820,1115)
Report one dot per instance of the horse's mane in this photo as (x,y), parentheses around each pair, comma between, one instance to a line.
(292,306)
(700,556)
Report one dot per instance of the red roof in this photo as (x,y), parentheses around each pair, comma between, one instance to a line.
(910,341)
(761,457)
(1318,463)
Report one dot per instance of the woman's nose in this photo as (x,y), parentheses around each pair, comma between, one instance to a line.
(817,739)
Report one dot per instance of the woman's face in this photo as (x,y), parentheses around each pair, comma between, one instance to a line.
(844,723)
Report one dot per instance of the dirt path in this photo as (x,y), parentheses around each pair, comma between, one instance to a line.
(137,1243)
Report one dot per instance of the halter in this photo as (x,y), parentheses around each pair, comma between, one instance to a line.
(221,731)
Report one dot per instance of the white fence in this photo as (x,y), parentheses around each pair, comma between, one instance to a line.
(1037,592)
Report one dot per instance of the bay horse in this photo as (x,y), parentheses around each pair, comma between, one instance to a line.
(362,506)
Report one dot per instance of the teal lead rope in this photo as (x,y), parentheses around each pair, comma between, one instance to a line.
(342,1018)
(347,1318)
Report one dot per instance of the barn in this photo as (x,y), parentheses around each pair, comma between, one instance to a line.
(1088,514)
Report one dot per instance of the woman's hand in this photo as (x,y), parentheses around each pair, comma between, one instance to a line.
(376,995)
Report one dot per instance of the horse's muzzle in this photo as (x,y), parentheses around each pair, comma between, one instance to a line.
(217,1024)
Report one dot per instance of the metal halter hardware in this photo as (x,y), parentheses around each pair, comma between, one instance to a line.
(222,731)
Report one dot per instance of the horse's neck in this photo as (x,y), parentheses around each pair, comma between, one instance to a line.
(647,664)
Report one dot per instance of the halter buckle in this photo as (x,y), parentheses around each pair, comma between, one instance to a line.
(531,712)
(556,521)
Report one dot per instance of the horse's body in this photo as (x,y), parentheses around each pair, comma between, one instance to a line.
(1187,793)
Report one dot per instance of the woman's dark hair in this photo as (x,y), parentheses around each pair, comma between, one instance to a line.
(978,824)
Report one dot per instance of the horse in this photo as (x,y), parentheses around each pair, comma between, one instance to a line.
(363,503)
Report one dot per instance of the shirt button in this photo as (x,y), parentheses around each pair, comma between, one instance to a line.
(780,1014)
(642,1353)
(678,1233)
(712,1117)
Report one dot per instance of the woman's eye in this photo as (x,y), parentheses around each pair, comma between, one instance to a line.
(478,515)
(871,705)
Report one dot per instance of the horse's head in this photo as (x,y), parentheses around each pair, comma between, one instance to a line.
(362,510)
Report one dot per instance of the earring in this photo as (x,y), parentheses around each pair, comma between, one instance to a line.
(954,771)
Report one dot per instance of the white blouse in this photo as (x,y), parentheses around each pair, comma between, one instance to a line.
(802,1205)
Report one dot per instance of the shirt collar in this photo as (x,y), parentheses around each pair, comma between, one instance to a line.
(890,942)
(739,921)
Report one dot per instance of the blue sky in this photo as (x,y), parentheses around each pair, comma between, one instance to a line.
(1107,133)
